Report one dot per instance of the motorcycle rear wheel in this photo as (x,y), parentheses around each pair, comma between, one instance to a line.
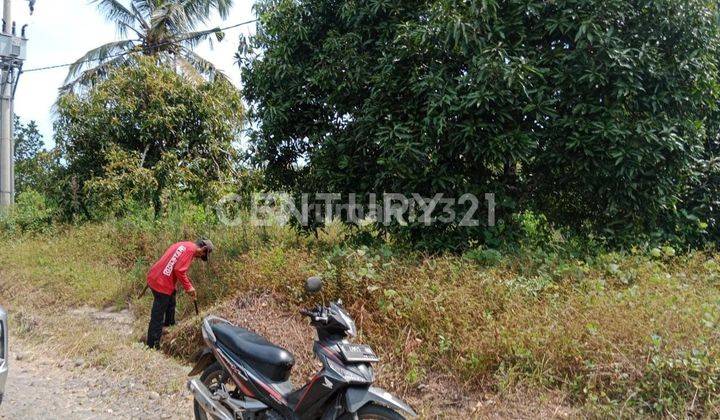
(212,377)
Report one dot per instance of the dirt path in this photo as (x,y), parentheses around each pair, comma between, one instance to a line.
(45,387)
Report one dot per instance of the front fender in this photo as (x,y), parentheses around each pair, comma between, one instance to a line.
(203,359)
(356,398)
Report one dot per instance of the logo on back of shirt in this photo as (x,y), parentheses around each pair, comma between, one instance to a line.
(171,264)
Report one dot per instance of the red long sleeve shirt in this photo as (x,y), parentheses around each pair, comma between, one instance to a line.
(172,268)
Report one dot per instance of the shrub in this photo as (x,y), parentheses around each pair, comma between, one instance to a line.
(31,213)
(701,221)
(486,257)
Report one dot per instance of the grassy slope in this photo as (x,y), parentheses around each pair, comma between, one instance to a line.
(619,333)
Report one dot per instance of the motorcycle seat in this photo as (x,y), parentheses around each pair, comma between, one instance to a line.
(272,361)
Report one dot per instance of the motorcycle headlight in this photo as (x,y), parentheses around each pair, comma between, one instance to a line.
(352,330)
(349,375)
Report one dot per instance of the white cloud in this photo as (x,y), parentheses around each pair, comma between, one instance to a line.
(61,31)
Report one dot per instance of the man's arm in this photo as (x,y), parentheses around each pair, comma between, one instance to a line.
(181,269)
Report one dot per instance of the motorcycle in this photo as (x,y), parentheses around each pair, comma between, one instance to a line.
(244,376)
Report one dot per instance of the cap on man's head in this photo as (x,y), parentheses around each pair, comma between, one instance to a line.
(208,245)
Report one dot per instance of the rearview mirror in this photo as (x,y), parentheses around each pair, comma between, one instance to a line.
(313,284)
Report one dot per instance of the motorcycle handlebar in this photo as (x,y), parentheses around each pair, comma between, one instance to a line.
(315,315)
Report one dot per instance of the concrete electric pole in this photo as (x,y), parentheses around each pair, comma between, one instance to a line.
(12,55)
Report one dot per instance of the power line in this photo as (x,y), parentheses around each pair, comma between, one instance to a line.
(57,66)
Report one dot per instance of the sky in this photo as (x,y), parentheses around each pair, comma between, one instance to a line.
(61,31)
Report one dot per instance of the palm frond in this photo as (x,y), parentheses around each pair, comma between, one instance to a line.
(141,15)
(131,28)
(223,7)
(170,19)
(202,66)
(100,54)
(202,9)
(188,70)
(144,7)
(116,12)
(95,74)
(192,39)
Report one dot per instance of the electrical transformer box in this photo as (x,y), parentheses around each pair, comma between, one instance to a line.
(13,47)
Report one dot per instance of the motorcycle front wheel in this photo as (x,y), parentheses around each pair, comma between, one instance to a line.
(375,412)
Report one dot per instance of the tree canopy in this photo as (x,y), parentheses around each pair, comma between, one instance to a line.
(144,135)
(593,112)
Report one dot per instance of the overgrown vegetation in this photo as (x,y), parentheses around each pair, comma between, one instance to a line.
(594,122)
(623,333)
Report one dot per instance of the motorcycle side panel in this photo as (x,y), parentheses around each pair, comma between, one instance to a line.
(357,397)
(316,394)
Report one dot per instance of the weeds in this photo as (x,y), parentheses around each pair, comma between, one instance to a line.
(622,333)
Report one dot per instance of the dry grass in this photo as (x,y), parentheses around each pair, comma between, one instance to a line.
(442,397)
(611,334)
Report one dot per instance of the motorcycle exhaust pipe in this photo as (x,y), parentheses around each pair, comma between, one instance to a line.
(204,397)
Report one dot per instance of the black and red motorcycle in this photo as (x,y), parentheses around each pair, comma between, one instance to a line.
(244,376)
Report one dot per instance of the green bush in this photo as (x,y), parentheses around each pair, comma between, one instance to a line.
(486,257)
(123,188)
(686,382)
(701,221)
(31,213)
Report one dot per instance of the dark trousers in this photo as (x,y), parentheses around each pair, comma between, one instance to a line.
(162,314)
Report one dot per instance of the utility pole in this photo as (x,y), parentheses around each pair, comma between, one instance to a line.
(12,55)
(6,141)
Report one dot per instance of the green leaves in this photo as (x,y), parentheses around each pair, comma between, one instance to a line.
(592,112)
(146,133)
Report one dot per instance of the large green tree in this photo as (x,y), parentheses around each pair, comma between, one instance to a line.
(591,111)
(147,134)
(163,29)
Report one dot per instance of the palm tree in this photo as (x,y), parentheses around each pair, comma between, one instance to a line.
(165,29)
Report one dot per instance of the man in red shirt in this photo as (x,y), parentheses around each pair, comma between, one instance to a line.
(168,270)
